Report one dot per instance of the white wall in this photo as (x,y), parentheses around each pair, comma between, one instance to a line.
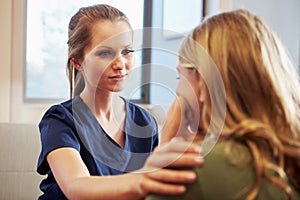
(283,16)
(12,107)
(5,57)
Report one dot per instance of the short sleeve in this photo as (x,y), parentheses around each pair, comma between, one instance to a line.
(56,130)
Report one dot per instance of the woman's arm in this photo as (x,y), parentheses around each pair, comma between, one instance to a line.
(75,181)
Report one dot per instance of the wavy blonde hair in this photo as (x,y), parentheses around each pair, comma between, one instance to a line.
(262,94)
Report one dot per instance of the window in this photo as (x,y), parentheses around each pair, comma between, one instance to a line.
(46,48)
(174,19)
(46,45)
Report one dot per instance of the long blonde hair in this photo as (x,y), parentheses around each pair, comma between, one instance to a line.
(262,94)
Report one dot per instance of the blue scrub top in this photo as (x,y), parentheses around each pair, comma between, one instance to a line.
(72,124)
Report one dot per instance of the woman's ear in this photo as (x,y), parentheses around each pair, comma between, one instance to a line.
(76,63)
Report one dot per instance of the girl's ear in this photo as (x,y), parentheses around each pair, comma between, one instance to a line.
(76,64)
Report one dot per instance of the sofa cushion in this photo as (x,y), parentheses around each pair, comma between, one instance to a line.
(19,150)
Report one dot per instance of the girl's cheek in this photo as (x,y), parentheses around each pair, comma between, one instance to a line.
(183,88)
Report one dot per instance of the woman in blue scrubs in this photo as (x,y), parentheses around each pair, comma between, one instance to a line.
(97,134)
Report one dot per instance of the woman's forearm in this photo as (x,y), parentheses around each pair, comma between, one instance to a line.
(105,187)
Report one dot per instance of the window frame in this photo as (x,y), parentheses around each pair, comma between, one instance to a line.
(19,107)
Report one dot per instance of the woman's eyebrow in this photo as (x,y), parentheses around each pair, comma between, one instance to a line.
(127,46)
(104,47)
(111,48)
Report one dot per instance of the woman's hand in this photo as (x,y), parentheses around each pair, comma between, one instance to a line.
(158,174)
(177,121)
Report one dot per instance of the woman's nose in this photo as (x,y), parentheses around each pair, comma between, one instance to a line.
(119,63)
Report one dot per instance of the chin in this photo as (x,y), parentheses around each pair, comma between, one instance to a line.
(118,88)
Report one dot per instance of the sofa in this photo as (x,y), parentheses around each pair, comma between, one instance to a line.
(19,151)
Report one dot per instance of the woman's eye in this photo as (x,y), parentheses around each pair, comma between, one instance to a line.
(127,51)
(105,54)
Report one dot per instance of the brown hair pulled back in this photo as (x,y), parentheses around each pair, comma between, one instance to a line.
(79,32)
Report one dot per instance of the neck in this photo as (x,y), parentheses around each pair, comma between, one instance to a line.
(101,103)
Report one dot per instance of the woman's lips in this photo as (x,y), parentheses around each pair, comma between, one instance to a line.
(117,77)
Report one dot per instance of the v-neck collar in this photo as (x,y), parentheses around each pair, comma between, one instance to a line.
(100,129)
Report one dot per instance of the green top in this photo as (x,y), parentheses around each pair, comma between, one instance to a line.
(218,178)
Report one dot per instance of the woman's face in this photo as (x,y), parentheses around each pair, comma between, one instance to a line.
(109,57)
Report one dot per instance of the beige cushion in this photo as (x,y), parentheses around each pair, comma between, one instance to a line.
(19,151)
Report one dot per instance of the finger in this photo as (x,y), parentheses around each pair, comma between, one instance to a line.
(178,144)
(170,129)
(174,123)
(170,159)
(163,188)
(173,176)
(173,114)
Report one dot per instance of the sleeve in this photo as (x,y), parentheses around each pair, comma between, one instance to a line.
(155,135)
(56,130)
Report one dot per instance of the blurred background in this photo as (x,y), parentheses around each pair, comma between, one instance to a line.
(33,50)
